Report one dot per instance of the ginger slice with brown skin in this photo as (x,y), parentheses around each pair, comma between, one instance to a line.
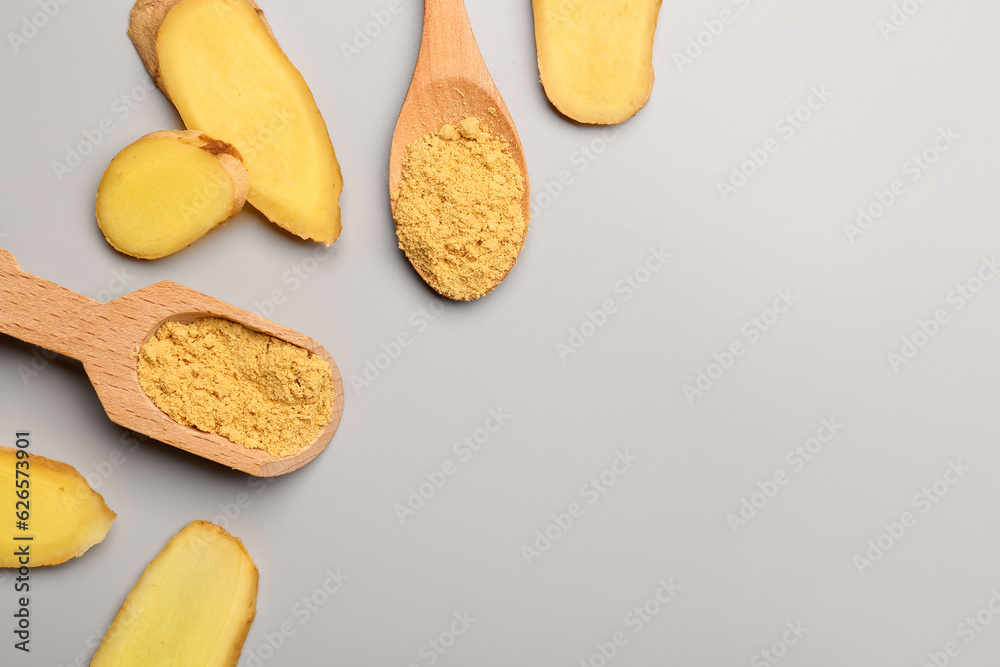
(219,64)
(167,190)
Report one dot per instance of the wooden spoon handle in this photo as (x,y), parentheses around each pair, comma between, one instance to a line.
(43,313)
(447,45)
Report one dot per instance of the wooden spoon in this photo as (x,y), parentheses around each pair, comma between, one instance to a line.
(450,82)
(106,337)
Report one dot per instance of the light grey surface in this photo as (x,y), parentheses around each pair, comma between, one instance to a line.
(652,183)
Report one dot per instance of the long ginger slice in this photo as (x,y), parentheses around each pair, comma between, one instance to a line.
(193,605)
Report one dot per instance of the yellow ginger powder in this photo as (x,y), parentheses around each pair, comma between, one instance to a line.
(220,377)
(458,210)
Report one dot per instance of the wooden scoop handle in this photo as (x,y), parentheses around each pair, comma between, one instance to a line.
(44,313)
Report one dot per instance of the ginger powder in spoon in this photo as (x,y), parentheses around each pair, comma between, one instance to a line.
(222,378)
(458,209)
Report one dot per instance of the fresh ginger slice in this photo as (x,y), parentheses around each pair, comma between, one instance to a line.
(595,57)
(65,517)
(167,190)
(219,64)
(193,605)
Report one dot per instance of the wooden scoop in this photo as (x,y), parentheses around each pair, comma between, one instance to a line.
(106,337)
(450,82)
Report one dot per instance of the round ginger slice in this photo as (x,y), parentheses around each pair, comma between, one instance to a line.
(167,190)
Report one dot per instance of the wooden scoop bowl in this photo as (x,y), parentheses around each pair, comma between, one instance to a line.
(106,337)
(450,83)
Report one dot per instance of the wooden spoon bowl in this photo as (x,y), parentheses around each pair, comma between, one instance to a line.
(106,337)
(450,83)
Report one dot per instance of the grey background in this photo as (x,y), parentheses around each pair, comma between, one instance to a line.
(652,183)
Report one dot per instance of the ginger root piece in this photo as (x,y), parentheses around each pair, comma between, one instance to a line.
(193,605)
(595,57)
(219,64)
(65,517)
(167,190)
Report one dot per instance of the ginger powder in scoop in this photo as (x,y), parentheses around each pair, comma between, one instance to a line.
(458,210)
(222,378)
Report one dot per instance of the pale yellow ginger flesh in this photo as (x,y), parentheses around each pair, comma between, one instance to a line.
(65,517)
(193,605)
(220,66)
(167,190)
(595,57)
